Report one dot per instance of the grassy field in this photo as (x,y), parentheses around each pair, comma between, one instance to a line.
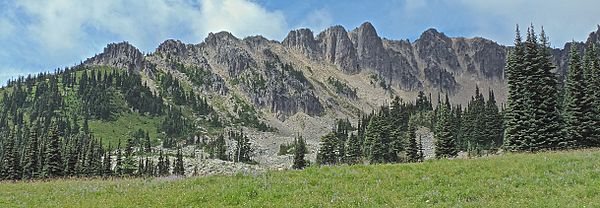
(560,179)
(124,127)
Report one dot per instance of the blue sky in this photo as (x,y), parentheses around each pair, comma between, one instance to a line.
(44,35)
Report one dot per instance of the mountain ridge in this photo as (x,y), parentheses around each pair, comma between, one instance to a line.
(303,73)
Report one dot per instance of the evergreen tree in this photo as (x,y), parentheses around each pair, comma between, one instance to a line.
(445,145)
(129,162)
(353,151)
(576,105)
(54,164)
(243,149)
(220,148)
(591,66)
(492,121)
(549,127)
(515,120)
(327,155)
(30,168)
(178,168)
(106,163)
(299,152)
(412,150)
(119,160)
(10,159)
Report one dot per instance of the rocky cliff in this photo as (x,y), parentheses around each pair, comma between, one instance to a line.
(305,73)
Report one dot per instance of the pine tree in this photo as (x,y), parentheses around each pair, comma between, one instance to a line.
(129,163)
(493,121)
(576,104)
(106,163)
(299,152)
(591,76)
(243,149)
(515,120)
(412,148)
(220,148)
(119,160)
(53,165)
(445,145)
(30,168)
(10,159)
(549,127)
(178,168)
(353,151)
(327,155)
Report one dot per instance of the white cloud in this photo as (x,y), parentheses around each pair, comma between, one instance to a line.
(66,24)
(58,33)
(241,18)
(317,20)
(562,20)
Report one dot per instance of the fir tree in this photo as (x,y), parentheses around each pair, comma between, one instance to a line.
(412,148)
(10,159)
(53,165)
(549,126)
(576,105)
(178,168)
(129,163)
(243,149)
(119,160)
(30,168)
(299,152)
(353,151)
(515,120)
(445,145)
(327,155)
(591,76)
(106,163)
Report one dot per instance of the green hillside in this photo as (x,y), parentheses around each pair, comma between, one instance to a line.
(557,179)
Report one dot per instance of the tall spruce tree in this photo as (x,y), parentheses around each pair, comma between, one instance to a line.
(493,128)
(30,168)
(576,104)
(54,164)
(299,153)
(514,135)
(591,79)
(327,155)
(445,144)
(353,151)
(178,168)
(549,127)
(412,148)
(10,159)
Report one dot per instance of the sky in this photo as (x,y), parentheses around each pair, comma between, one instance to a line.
(43,35)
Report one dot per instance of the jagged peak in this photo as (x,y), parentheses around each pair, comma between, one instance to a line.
(366,28)
(433,33)
(214,38)
(171,46)
(301,32)
(124,45)
(256,38)
(334,29)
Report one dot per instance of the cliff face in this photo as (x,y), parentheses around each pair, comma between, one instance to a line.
(119,55)
(304,73)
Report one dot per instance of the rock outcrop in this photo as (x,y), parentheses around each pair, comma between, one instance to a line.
(337,48)
(302,41)
(119,55)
